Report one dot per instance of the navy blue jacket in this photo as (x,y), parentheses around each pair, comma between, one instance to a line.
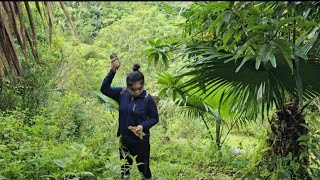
(132,110)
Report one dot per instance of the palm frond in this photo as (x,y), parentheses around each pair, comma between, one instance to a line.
(248,91)
(106,101)
(193,106)
(13,25)
(7,45)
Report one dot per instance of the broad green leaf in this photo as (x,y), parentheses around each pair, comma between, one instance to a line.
(289,27)
(159,42)
(3,147)
(59,162)
(170,8)
(263,27)
(255,33)
(162,92)
(309,23)
(151,42)
(148,51)
(296,166)
(305,126)
(165,60)
(86,173)
(243,14)
(263,53)
(273,60)
(218,27)
(286,51)
(255,10)
(214,23)
(156,59)
(299,52)
(151,58)
(260,91)
(258,62)
(311,42)
(248,43)
(303,138)
(303,155)
(106,101)
(316,153)
(245,59)
(315,161)
(221,5)
(286,21)
(302,143)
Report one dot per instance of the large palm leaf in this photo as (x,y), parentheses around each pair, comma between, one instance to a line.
(249,90)
(195,105)
(109,103)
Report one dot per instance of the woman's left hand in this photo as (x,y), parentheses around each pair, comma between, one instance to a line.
(137,131)
(138,128)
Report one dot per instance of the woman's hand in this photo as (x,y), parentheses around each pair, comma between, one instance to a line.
(137,130)
(115,64)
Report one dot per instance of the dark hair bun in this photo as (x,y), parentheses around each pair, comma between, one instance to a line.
(136,67)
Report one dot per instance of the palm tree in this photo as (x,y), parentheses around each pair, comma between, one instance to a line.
(262,55)
(197,106)
(14,27)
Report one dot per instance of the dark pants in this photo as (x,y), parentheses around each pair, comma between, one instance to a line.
(142,151)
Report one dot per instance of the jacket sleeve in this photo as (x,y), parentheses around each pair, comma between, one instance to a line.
(112,92)
(152,112)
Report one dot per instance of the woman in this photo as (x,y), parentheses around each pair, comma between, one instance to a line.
(137,114)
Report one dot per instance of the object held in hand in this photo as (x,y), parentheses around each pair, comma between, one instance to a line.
(113,57)
(140,133)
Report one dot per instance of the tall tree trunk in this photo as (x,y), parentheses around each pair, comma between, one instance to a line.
(286,129)
(218,133)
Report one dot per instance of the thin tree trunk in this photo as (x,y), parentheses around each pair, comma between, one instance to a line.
(205,123)
(218,133)
(73,27)
(297,71)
